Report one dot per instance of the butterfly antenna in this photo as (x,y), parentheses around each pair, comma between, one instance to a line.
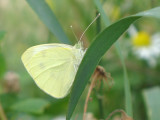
(89,26)
(73,33)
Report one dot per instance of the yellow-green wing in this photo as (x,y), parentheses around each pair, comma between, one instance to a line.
(52,67)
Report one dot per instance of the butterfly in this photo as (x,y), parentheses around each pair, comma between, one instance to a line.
(53,66)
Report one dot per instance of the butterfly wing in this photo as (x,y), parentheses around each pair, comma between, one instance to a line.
(52,67)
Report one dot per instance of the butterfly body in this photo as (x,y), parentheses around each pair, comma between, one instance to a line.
(53,66)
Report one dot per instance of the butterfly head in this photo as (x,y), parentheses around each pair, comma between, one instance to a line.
(79,45)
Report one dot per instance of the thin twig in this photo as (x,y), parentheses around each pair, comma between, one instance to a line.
(124,116)
(99,74)
(111,114)
(89,93)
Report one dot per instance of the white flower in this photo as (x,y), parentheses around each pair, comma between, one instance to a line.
(146,47)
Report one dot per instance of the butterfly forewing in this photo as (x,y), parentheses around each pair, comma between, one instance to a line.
(52,67)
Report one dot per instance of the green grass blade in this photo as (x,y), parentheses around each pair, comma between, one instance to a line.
(152,98)
(127,90)
(2,64)
(105,18)
(49,19)
(97,49)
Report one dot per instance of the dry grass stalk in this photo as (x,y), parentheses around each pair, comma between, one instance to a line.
(99,74)
(124,116)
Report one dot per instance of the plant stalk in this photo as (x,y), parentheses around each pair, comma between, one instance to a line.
(100,101)
(100,91)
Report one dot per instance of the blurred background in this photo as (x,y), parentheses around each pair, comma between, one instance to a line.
(20,28)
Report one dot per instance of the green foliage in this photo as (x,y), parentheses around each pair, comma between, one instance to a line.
(7,100)
(24,29)
(2,64)
(151,98)
(2,60)
(93,55)
(2,33)
(34,106)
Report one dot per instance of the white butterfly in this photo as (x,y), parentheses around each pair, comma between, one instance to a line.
(53,66)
